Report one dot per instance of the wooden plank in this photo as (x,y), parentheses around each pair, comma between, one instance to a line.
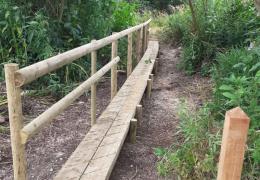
(100,148)
(233,145)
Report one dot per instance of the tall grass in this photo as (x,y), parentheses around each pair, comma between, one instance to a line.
(218,48)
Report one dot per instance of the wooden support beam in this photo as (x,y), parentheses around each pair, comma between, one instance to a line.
(144,39)
(147,35)
(233,145)
(130,54)
(114,69)
(47,116)
(133,130)
(16,122)
(93,87)
(139,113)
(138,45)
(151,76)
(155,68)
(149,89)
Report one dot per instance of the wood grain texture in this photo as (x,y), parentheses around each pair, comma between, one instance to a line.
(34,71)
(16,122)
(93,87)
(97,153)
(233,145)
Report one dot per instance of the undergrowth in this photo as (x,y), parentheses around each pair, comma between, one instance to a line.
(224,44)
(31,32)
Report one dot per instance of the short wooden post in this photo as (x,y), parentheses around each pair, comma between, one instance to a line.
(93,87)
(16,122)
(139,113)
(233,145)
(114,69)
(155,68)
(151,76)
(133,130)
(130,54)
(149,88)
(138,45)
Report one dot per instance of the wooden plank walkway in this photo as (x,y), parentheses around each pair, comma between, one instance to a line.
(96,155)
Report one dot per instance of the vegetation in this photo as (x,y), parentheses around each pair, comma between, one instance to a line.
(221,39)
(31,32)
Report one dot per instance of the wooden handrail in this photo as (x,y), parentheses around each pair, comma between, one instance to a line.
(16,78)
(32,72)
(47,116)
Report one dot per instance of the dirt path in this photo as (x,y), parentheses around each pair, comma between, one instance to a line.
(159,125)
(49,150)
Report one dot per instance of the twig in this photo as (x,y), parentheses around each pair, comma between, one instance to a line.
(131,178)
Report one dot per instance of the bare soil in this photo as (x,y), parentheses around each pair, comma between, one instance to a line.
(159,125)
(49,150)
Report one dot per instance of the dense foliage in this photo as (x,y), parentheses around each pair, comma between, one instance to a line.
(30,32)
(221,40)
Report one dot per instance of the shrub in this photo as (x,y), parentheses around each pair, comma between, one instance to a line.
(215,32)
(32,32)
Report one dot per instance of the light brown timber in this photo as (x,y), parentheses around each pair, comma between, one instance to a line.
(233,145)
(96,155)
(93,87)
(133,130)
(138,45)
(130,54)
(151,76)
(47,116)
(114,52)
(149,89)
(16,122)
(139,113)
(32,72)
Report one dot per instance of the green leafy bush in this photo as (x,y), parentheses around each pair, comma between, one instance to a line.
(31,32)
(220,25)
(236,79)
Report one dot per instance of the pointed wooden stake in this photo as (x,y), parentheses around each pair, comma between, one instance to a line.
(233,145)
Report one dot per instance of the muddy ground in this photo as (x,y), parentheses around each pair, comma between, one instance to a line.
(47,151)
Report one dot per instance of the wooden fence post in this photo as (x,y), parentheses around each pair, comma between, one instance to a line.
(138,45)
(147,35)
(114,69)
(16,122)
(149,88)
(155,68)
(151,76)
(130,54)
(133,129)
(139,113)
(93,87)
(144,39)
(233,145)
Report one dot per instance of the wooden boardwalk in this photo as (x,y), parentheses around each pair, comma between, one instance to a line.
(96,155)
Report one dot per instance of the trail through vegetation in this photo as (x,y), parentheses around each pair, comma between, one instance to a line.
(158,128)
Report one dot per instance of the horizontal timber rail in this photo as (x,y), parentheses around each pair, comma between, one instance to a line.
(16,78)
(47,116)
(30,73)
